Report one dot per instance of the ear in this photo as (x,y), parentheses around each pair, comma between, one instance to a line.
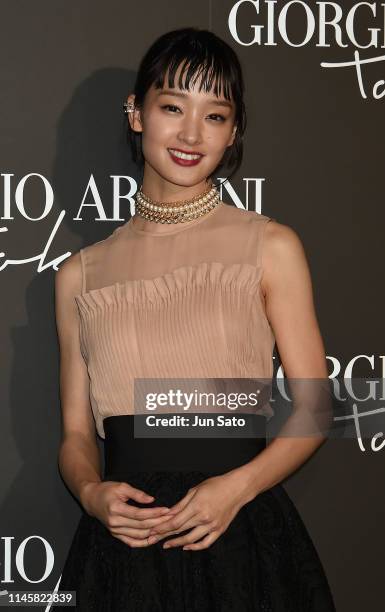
(134,118)
(232,136)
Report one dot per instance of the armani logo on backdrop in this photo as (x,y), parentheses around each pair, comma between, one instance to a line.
(123,190)
(323,24)
(251,197)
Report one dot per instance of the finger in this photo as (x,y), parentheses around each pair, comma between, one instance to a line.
(122,522)
(205,543)
(129,492)
(137,534)
(182,503)
(176,522)
(195,534)
(156,537)
(132,512)
(128,512)
(132,542)
(151,522)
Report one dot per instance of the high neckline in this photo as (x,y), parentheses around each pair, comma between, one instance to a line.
(171,228)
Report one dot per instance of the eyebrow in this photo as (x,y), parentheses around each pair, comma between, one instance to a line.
(171,92)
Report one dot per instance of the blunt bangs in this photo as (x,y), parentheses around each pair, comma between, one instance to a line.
(210,72)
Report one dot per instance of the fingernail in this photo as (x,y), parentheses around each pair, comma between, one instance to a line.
(166,545)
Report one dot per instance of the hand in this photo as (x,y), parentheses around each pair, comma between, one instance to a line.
(106,501)
(207,508)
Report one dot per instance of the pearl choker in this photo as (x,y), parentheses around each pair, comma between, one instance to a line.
(176,212)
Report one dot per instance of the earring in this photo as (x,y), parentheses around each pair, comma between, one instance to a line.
(128,107)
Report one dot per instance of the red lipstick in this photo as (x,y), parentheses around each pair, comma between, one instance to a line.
(181,161)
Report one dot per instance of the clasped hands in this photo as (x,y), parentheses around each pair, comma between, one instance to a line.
(207,510)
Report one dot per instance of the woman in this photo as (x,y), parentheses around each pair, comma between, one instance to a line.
(188,288)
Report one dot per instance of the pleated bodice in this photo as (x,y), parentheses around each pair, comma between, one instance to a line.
(185,302)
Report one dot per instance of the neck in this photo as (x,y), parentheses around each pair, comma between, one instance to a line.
(162,191)
(182,211)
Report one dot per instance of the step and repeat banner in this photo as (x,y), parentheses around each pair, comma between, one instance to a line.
(314,156)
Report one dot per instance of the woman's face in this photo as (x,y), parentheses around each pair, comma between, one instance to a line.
(193,122)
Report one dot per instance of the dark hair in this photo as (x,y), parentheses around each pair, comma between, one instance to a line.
(204,54)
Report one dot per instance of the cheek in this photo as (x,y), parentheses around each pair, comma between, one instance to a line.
(157,133)
(218,141)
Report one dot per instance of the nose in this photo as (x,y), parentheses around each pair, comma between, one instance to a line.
(190,131)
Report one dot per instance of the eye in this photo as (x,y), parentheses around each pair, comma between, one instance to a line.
(221,117)
(166,106)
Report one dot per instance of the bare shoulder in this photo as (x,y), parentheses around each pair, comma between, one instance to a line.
(281,239)
(283,254)
(68,278)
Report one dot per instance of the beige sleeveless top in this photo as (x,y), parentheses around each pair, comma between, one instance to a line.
(175,301)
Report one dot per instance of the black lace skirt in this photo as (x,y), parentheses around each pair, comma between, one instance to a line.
(264,562)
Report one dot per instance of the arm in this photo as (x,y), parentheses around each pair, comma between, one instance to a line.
(79,460)
(286,285)
(288,293)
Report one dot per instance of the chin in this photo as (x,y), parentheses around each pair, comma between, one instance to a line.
(184,178)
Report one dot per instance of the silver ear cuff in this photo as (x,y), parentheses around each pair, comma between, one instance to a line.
(128,107)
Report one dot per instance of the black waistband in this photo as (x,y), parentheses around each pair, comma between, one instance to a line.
(124,453)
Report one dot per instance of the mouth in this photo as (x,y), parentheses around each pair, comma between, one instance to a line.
(184,158)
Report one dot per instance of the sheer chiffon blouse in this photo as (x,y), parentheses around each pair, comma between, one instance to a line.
(182,302)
